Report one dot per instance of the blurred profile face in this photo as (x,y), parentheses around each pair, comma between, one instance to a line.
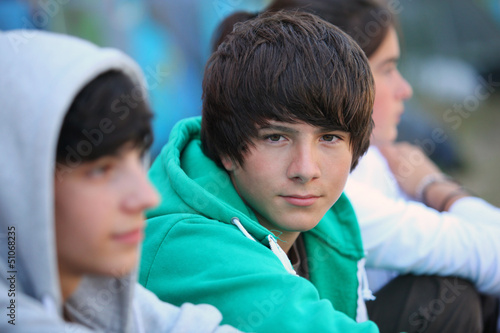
(391,90)
(99,217)
(292,175)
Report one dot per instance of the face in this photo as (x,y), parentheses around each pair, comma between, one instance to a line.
(292,176)
(391,90)
(99,218)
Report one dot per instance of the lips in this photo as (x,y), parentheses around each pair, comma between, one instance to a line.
(129,237)
(301,200)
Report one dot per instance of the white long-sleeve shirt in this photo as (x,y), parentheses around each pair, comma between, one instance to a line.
(404,236)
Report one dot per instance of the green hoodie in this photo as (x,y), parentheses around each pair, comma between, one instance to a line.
(194,251)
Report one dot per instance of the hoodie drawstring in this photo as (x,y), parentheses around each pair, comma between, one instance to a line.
(273,244)
(236,222)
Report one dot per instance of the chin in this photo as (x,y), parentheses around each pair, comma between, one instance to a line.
(389,137)
(119,270)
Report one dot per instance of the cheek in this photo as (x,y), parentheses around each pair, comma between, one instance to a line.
(383,105)
(378,115)
(380,102)
(83,220)
(258,173)
(80,229)
(253,184)
(343,174)
(338,175)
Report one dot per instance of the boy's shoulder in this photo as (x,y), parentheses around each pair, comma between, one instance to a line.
(190,242)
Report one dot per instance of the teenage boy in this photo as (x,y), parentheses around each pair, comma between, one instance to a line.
(74,190)
(256,222)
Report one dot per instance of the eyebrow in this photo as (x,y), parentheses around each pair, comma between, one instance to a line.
(394,60)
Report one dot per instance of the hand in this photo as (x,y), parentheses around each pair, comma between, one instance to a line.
(409,164)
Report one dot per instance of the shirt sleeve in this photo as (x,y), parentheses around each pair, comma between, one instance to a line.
(409,237)
(153,315)
(476,210)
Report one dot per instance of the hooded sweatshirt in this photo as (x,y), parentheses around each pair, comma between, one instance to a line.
(41,74)
(204,244)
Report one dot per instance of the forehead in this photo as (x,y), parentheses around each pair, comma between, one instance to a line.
(388,50)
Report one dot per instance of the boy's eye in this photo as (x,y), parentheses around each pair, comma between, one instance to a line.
(390,68)
(274,137)
(100,170)
(329,137)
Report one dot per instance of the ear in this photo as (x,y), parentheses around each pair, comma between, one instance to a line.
(228,163)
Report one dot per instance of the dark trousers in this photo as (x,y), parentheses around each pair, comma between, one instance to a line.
(431,304)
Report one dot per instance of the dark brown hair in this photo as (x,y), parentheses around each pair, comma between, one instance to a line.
(107,113)
(366,21)
(285,66)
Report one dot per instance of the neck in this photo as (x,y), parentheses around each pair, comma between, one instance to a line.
(381,142)
(69,283)
(286,240)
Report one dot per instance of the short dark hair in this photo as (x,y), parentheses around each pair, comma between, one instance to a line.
(366,21)
(99,122)
(285,66)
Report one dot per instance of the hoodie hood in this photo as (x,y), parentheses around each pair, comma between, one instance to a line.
(41,75)
(196,184)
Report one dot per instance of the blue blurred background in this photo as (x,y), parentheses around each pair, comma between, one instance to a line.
(169,39)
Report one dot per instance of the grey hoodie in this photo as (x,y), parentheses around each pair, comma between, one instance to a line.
(40,75)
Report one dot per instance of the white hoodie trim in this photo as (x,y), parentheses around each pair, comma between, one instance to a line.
(273,244)
(364,292)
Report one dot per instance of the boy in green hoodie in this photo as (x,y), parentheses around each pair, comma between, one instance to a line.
(254,220)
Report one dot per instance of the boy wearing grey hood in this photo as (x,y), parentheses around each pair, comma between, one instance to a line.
(75,123)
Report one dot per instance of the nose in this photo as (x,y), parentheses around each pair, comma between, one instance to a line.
(303,165)
(142,194)
(405,90)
